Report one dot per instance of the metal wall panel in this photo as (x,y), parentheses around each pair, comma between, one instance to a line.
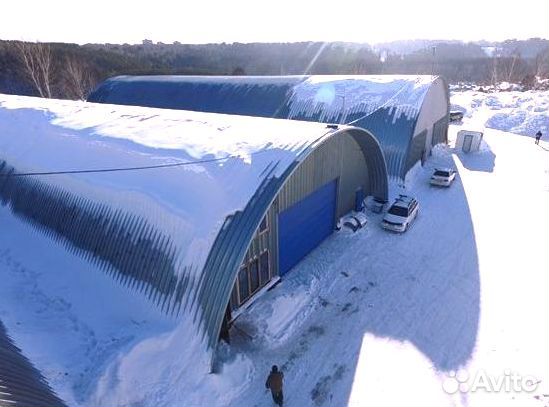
(340,157)
(388,106)
(435,109)
(440,131)
(21,384)
(305,224)
(232,243)
(417,150)
(139,253)
(124,245)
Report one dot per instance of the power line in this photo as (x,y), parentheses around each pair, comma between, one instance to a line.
(118,169)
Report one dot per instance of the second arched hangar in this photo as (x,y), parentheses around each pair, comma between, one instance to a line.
(408,115)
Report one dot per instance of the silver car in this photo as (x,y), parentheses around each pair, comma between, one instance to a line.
(443,177)
(401,214)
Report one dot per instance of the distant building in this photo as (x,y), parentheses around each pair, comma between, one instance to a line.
(407,114)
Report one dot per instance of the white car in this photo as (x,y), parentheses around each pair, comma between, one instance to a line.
(401,214)
(443,177)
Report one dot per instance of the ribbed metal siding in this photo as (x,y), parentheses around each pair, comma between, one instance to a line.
(266,241)
(417,148)
(120,243)
(138,255)
(340,157)
(375,161)
(440,131)
(305,225)
(267,97)
(249,96)
(232,243)
(262,241)
(21,384)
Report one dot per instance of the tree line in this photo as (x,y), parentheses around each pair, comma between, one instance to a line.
(71,71)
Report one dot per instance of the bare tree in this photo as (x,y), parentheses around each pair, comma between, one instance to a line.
(495,77)
(78,78)
(542,64)
(37,61)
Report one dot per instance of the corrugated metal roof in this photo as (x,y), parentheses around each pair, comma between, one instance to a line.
(177,232)
(388,106)
(21,384)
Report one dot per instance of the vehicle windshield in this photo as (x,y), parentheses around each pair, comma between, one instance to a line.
(398,211)
(439,173)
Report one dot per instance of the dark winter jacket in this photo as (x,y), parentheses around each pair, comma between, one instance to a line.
(274,381)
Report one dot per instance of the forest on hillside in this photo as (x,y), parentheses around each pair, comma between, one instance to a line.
(71,71)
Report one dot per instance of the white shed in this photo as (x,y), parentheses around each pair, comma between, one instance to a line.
(468,140)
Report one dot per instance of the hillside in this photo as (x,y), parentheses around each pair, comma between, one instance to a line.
(77,69)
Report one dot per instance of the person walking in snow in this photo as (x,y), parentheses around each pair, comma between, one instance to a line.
(274,382)
(538,136)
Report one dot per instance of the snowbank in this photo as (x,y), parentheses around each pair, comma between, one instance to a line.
(171,369)
(521,113)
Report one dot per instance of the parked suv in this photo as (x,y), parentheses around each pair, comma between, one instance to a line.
(443,177)
(401,213)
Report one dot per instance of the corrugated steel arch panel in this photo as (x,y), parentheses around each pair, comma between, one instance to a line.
(442,124)
(21,384)
(388,106)
(248,96)
(394,133)
(415,151)
(132,236)
(230,247)
(375,160)
(94,231)
(438,124)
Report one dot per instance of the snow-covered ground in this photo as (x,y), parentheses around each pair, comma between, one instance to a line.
(369,318)
(521,113)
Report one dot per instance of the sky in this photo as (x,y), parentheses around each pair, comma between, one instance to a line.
(205,21)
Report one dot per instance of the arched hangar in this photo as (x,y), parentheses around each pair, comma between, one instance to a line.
(195,210)
(408,115)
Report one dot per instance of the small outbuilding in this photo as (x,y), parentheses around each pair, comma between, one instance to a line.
(469,141)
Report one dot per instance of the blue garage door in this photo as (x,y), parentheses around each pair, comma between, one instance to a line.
(305,224)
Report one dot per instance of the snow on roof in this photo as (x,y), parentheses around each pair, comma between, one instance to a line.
(386,105)
(341,97)
(326,98)
(51,135)
(165,218)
